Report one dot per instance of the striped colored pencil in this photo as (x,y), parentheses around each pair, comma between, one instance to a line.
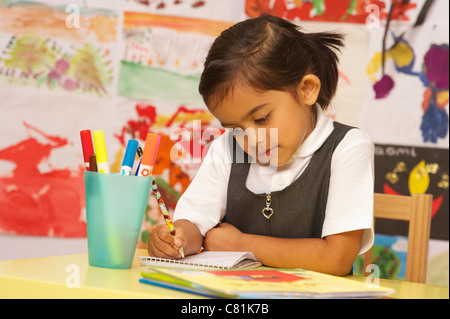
(165,213)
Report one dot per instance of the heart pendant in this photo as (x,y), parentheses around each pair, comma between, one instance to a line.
(267,212)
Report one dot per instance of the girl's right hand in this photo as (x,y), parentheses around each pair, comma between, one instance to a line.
(162,244)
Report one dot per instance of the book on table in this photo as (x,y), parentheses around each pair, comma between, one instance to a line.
(217,277)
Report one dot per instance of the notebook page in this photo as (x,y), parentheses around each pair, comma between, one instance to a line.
(219,259)
(207,259)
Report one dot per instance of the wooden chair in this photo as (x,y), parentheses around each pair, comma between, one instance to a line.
(417,210)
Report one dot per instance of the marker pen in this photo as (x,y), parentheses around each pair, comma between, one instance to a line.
(139,152)
(92,163)
(88,148)
(149,156)
(128,159)
(100,152)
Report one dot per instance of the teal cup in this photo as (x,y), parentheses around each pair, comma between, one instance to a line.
(115,207)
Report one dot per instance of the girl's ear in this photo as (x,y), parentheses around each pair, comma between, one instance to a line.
(308,89)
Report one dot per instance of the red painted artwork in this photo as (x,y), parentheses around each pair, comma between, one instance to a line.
(35,203)
(351,11)
(39,199)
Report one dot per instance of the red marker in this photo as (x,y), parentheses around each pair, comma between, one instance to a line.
(88,147)
(149,156)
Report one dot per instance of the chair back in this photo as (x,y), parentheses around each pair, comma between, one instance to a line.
(416,209)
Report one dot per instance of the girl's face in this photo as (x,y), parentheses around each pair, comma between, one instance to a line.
(269,125)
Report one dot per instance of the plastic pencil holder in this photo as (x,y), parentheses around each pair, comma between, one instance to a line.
(115,207)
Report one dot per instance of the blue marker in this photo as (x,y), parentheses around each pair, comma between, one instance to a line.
(128,159)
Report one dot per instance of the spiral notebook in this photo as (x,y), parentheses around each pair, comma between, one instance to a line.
(207,260)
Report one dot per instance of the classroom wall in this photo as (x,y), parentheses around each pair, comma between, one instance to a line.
(133,66)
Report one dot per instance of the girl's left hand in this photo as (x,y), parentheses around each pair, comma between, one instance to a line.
(224,237)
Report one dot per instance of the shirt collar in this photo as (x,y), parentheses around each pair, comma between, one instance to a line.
(324,127)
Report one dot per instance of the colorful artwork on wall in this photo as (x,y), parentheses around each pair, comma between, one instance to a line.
(53,56)
(389,253)
(350,11)
(200,9)
(34,202)
(54,76)
(163,56)
(407,90)
(432,71)
(41,174)
(404,170)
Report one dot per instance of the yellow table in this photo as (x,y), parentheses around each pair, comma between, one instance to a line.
(70,276)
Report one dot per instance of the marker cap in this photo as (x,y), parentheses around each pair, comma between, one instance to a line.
(150,148)
(86,143)
(100,147)
(130,153)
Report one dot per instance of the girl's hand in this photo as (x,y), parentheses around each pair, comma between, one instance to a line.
(223,237)
(163,245)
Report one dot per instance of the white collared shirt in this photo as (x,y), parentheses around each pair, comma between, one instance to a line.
(350,196)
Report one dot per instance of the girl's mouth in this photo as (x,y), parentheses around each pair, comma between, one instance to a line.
(268,152)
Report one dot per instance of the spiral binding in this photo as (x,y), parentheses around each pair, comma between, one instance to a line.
(176,263)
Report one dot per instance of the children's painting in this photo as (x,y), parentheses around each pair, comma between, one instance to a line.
(59,48)
(389,253)
(41,170)
(163,56)
(405,170)
(36,198)
(431,71)
(200,9)
(349,11)
(56,72)
(407,88)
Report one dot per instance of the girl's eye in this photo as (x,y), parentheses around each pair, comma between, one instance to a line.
(263,120)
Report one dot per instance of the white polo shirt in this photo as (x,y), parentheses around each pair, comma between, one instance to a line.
(350,196)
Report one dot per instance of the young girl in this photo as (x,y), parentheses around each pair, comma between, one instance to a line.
(302,195)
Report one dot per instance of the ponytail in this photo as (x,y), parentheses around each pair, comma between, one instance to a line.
(325,63)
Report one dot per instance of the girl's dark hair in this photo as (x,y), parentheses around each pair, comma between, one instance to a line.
(270,53)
